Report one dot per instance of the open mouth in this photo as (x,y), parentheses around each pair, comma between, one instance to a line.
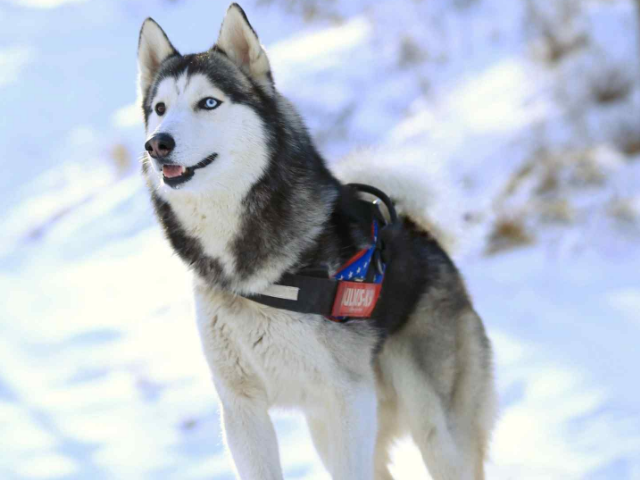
(174,175)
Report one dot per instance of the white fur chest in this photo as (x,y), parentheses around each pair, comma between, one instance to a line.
(213,221)
(292,358)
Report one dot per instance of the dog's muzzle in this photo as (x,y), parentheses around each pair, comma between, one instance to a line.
(175,175)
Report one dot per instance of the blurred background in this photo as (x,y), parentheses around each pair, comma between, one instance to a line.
(531,109)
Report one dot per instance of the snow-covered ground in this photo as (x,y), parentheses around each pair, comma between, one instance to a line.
(529,107)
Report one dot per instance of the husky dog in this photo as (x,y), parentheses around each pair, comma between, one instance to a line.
(244,197)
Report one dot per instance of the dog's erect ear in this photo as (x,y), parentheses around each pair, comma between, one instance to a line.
(240,42)
(153,48)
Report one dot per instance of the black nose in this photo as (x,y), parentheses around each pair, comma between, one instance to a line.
(160,145)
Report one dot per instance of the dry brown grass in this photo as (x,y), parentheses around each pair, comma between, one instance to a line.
(556,49)
(411,53)
(611,83)
(507,234)
(121,157)
(549,179)
(560,170)
(540,192)
(559,211)
(462,4)
(520,175)
(631,147)
(624,210)
(556,27)
(587,171)
(309,10)
(628,139)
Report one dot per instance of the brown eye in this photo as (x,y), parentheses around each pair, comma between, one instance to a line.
(160,108)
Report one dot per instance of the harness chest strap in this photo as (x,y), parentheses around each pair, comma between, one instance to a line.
(323,296)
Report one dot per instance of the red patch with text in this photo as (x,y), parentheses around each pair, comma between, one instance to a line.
(356,299)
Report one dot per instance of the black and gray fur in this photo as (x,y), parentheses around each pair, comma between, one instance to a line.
(424,321)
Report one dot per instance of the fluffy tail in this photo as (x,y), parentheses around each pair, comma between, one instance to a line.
(419,188)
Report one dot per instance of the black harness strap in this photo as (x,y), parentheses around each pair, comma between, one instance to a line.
(313,295)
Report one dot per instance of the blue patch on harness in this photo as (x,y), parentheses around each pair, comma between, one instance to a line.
(355,270)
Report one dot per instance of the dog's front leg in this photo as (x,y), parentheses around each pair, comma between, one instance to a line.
(251,438)
(351,432)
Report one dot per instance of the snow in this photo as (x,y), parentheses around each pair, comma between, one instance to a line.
(101,373)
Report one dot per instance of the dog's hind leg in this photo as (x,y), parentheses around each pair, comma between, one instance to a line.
(472,406)
(452,437)
(430,432)
(387,433)
(475,416)
(388,425)
(440,371)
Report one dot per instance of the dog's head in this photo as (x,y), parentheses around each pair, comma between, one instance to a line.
(205,114)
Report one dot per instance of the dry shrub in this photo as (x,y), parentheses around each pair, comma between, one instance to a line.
(309,10)
(520,176)
(586,169)
(410,52)
(557,24)
(121,158)
(561,171)
(556,211)
(631,146)
(624,210)
(552,175)
(627,139)
(555,49)
(508,233)
(610,83)
(462,4)
(549,180)
(549,188)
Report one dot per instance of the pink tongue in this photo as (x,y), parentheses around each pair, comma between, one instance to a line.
(171,171)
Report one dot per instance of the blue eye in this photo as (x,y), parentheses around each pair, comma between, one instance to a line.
(209,103)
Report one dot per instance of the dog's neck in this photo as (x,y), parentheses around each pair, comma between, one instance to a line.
(279,227)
